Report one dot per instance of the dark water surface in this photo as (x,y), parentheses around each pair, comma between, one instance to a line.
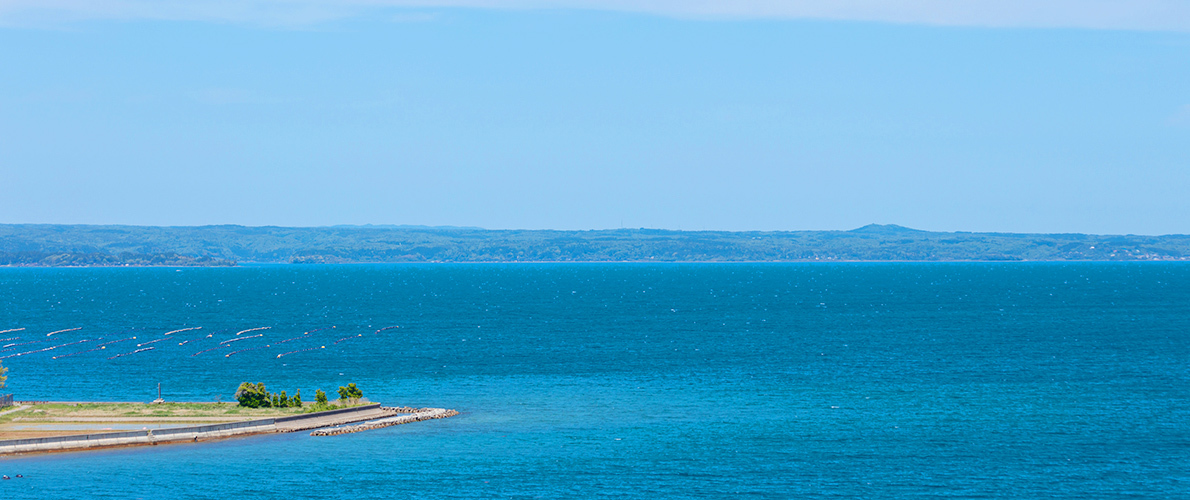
(635,381)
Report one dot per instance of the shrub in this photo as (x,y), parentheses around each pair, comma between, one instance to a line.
(319,397)
(297,399)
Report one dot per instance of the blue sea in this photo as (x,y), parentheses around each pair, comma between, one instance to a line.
(892,380)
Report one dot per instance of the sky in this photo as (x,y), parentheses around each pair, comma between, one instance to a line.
(946,115)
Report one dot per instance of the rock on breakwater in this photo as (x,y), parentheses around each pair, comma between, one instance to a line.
(414,415)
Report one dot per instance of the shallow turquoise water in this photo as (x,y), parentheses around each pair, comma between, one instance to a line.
(635,381)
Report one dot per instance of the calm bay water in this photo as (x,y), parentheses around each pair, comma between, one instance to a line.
(635,381)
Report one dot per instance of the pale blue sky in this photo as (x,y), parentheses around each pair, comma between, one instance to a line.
(739,116)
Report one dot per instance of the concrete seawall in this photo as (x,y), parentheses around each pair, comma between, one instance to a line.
(135,438)
(194,433)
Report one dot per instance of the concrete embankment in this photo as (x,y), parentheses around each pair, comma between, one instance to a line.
(135,438)
(416,415)
(195,433)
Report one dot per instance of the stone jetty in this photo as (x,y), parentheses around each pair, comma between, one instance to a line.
(409,415)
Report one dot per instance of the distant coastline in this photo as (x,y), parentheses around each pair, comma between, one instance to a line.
(48,245)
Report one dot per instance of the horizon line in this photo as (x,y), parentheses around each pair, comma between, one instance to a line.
(421,227)
(1139,15)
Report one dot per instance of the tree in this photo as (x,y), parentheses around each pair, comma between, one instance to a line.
(3,376)
(350,394)
(276,402)
(284,400)
(319,397)
(297,399)
(252,395)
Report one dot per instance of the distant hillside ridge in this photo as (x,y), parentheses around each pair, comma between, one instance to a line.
(82,245)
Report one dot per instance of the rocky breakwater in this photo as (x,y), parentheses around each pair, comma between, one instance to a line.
(409,415)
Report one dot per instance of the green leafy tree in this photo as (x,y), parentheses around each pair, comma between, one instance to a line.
(284,400)
(252,395)
(297,399)
(3,376)
(350,394)
(319,397)
(276,401)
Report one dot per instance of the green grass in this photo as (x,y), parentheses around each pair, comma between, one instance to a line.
(150,411)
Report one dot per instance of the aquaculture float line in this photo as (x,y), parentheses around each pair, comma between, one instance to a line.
(300,350)
(348,338)
(100,346)
(228,341)
(133,352)
(228,355)
(207,350)
(47,349)
(306,335)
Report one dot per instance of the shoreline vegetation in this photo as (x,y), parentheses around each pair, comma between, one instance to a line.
(46,419)
(43,419)
(67,418)
(48,245)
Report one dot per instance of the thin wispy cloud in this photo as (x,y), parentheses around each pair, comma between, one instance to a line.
(1148,15)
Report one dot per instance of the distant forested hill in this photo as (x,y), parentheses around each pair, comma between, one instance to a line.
(80,245)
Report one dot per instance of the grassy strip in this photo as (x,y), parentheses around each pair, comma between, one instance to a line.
(134,410)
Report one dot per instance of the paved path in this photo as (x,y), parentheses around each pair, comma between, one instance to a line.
(140,419)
